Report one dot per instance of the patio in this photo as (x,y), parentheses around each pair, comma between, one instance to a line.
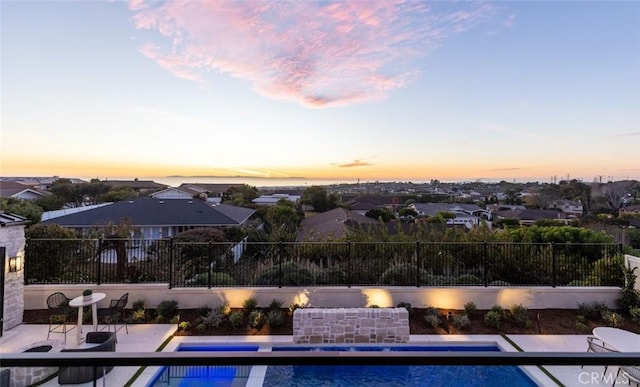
(149,337)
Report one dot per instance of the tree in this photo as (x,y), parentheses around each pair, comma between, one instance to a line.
(381,214)
(117,194)
(116,236)
(317,197)
(240,196)
(48,258)
(282,220)
(22,207)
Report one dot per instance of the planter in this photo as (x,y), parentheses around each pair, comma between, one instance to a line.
(87,298)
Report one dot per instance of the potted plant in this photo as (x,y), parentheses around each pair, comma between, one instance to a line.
(86,294)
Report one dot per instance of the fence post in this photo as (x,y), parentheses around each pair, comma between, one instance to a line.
(485,269)
(170,262)
(210,263)
(99,260)
(349,264)
(417,264)
(554,260)
(280,253)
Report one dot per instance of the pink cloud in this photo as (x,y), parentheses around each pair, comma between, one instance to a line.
(319,54)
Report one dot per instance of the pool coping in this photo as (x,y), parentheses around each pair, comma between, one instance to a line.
(534,372)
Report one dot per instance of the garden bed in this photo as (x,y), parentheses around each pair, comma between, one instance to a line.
(540,321)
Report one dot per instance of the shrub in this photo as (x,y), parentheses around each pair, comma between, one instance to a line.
(582,327)
(204,310)
(201,327)
(499,283)
(275,318)
(292,275)
(635,313)
(214,318)
(612,319)
(432,316)
(275,304)
(521,316)
(460,321)
(333,275)
(139,316)
(175,319)
(499,310)
(249,305)
(256,319)
(236,319)
(630,296)
(167,309)
(469,308)
(405,305)
(581,319)
(433,320)
(374,306)
(138,305)
(468,279)
(293,307)
(592,310)
(403,274)
(184,325)
(493,318)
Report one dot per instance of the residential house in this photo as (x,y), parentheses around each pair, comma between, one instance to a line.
(39,183)
(273,199)
(140,186)
(155,219)
(469,215)
(633,210)
(13,189)
(210,192)
(573,209)
(364,203)
(332,225)
(528,217)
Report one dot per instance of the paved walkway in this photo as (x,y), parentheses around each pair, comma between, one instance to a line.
(149,337)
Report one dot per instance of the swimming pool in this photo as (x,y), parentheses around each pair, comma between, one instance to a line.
(343,376)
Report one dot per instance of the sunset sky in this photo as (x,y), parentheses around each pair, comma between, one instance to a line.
(370,90)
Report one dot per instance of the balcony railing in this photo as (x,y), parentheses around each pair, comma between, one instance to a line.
(100,261)
(328,358)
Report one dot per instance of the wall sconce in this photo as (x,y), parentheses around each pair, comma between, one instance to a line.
(15,264)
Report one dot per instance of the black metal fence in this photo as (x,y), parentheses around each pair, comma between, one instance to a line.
(100,261)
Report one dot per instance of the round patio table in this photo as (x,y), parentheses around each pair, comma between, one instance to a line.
(619,339)
(81,301)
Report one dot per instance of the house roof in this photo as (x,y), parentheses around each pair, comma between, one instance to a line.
(153,212)
(531,214)
(210,188)
(433,209)
(135,184)
(8,220)
(332,224)
(10,189)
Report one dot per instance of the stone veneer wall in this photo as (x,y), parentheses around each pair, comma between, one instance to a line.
(350,325)
(12,237)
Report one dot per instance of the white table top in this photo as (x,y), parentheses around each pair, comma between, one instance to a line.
(80,300)
(623,341)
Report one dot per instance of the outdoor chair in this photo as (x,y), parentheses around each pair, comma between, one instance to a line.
(596,345)
(115,313)
(105,342)
(59,312)
(632,374)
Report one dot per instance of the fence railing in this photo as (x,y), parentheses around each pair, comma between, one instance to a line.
(101,261)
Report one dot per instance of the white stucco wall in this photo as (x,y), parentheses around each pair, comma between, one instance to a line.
(339,297)
(631,262)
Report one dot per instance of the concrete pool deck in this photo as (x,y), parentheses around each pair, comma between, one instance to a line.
(149,337)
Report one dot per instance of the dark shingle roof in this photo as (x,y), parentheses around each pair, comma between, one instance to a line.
(332,225)
(155,212)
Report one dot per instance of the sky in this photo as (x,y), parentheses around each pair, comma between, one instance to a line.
(370,90)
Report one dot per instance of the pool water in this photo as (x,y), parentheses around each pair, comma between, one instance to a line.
(346,376)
